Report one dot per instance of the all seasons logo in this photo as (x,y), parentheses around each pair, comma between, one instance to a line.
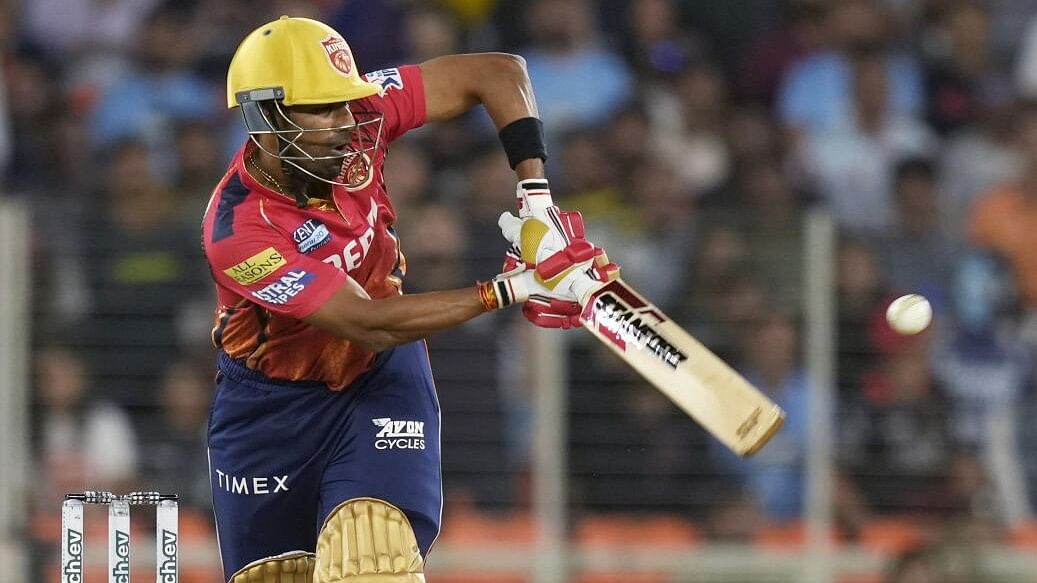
(256,267)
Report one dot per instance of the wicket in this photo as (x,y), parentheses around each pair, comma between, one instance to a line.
(166,534)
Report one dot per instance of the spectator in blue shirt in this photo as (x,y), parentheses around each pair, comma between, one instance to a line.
(159,91)
(774,476)
(578,82)
(816,95)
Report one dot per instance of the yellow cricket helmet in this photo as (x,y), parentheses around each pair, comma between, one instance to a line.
(298,61)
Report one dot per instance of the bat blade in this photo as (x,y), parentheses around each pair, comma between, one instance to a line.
(682,368)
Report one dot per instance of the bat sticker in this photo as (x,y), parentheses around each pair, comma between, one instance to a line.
(622,325)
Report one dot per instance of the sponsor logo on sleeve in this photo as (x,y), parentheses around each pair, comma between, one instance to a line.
(387,78)
(311,235)
(256,267)
(285,288)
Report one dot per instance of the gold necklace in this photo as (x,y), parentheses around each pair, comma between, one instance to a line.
(270,179)
(320,204)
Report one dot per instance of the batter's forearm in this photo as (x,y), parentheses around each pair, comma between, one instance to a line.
(508,97)
(455,84)
(531,168)
(381,324)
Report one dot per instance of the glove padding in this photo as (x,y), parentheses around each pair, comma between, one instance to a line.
(552,244)
(554,312)
(560,305)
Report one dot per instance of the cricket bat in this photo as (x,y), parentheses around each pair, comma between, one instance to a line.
(694,378)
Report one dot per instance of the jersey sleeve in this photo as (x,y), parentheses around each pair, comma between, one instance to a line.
(402,101)
(264,267)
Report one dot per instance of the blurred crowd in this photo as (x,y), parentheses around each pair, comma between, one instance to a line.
(694,136)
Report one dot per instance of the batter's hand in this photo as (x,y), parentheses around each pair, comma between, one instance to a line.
(533,195)
(553,312)
(557,305)
(554,242)
(517,286)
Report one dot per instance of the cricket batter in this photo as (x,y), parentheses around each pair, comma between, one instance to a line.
(324,431)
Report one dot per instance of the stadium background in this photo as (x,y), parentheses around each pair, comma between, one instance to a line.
(706,142)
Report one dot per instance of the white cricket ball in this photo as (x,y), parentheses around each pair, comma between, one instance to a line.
(909,314)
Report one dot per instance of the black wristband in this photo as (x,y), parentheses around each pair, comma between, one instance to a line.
(523,139)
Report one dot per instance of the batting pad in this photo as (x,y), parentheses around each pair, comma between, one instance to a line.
(292,567)
(366,540)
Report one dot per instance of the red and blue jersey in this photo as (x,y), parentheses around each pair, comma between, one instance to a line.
(274,263)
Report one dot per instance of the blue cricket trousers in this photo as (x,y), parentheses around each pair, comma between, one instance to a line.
(282,455)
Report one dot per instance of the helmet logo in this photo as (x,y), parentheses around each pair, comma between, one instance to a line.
(338,54)
(357,172)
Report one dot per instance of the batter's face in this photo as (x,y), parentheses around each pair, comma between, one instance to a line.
(332,143)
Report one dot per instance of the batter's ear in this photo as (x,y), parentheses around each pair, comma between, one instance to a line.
(277,113)
(258,116)
(265,116)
